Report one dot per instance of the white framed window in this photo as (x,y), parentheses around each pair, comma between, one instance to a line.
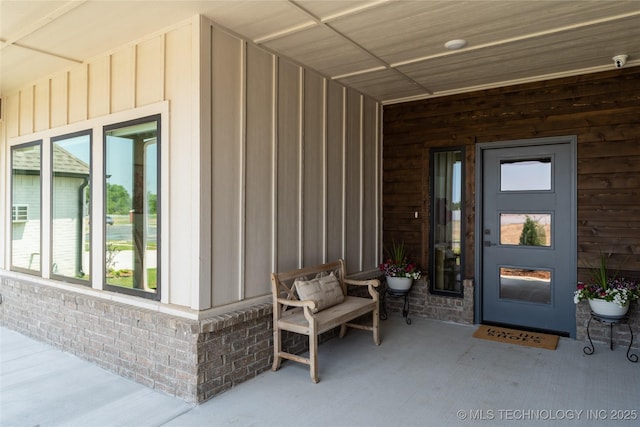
(19,213)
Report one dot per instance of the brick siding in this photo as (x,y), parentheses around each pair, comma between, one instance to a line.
(196,360)
(600,332)
(424,304)
(190,359)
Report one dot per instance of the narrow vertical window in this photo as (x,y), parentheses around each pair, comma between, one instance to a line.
(70,203)
(447,247)
(26,212)
(131,218)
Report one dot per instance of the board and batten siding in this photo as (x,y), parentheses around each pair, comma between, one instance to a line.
(295,170)
(121,84)
(267,166)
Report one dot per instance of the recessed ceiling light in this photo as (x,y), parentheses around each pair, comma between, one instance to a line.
(455,44)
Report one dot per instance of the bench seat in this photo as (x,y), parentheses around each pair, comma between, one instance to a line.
(301,317)
(327,319)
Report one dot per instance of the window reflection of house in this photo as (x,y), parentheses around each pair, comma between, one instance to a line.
(70,179)
(26,211)
(69,208)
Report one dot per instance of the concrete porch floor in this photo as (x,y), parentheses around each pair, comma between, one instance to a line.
(429,373)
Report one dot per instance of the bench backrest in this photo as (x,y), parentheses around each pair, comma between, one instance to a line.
(282,283)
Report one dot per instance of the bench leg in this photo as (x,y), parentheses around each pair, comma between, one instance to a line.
(376,326)
(277,348)
(313,356)
(343,330)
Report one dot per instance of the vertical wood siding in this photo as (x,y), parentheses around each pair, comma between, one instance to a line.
(226,164)
(336,161)
(602,110)
(309,182)
(314,180)
(175,80)
(259,171)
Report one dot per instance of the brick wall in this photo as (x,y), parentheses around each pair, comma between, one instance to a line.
(424,304)
(155,349)
(600,332)
(190,359)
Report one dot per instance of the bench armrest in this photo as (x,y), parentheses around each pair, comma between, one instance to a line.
(311,304)
(371,284)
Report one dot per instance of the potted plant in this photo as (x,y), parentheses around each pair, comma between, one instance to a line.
(608,294)
(398,269)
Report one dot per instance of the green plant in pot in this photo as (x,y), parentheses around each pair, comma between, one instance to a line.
(398,268)
(608,294)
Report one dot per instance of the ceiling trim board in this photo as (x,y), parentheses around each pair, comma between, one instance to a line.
(316,20)
(351,11)
(45,52)
(359,46)
(42,22)
(285,32)
(361,72)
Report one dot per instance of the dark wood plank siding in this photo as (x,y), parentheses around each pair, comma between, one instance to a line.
(602,110)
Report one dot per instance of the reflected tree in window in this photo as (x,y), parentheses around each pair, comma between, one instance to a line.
(131,207)
(533,234)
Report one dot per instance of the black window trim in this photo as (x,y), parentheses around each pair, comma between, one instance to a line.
(38,142)
(432,289)
(135,292)
(54,139)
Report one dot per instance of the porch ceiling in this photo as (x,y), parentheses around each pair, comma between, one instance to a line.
(390,50)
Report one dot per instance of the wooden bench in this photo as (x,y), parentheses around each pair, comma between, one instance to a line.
(290,313)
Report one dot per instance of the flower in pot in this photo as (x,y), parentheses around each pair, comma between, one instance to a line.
(607,294)
(398,269)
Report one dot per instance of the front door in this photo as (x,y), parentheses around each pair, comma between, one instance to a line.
(528,235)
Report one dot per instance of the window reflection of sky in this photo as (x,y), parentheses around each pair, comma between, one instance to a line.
(456,184)
(526,175)
(78,146)
(120,159)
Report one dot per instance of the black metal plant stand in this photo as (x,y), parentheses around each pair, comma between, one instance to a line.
(606,320)
(398,294)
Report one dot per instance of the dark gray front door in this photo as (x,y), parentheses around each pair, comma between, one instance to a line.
(528,237)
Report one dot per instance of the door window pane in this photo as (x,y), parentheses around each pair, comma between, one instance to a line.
(525,285)
(525,229)
(70,197)
(131,201)
(26,207)
(525,175)
(446,215)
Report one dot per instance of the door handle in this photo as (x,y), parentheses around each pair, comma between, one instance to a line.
(487,243)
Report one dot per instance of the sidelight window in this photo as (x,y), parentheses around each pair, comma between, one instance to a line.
(447,202)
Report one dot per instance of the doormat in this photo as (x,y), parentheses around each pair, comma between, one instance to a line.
(514,336)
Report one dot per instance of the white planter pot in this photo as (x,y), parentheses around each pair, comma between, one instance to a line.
(607,308)
(399,283)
